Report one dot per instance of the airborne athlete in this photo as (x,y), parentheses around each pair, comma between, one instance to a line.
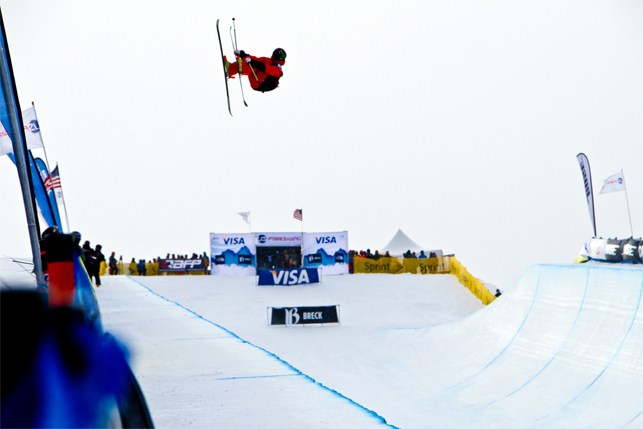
(263,72)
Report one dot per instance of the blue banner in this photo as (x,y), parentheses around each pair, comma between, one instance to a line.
(292,277)
(51,196)
(39,192)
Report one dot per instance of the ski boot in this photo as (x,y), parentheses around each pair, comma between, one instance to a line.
(227,67)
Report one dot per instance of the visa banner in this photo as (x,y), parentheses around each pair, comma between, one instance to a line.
(298,276)
(233,254)
(326,250)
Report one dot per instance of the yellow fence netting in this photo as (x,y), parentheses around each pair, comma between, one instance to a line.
(473,284)
(441,265)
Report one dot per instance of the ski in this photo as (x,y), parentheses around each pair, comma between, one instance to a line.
(225,75)
(239,61)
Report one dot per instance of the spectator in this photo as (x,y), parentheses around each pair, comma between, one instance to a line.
(142,270)
(207,262)
(132,268)
(422,255)
(113,265)
(91,263)
(369,255)
(498,293)
(387,255)
(76,237)
(102,266)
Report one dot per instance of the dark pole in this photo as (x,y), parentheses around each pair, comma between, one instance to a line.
(19,150)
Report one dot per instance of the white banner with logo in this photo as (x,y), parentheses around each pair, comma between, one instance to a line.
(279,239)
(326,250)
(614,183)
(32,133)
(583,162)
(233,254)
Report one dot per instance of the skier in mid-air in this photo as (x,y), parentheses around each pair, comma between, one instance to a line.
(263,72)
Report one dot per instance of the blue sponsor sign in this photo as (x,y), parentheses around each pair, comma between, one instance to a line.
(298,276)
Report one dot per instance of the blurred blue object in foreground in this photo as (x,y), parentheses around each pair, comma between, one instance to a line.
(60,370)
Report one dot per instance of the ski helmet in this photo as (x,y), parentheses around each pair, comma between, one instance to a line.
(278,55)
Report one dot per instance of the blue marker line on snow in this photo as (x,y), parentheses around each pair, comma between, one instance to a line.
(370,412)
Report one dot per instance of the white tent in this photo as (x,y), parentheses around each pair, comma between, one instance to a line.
(401,242)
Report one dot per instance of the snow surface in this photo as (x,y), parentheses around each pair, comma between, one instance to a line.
(561,348)
(186,360)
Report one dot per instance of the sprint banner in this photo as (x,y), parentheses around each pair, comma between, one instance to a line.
(326,250)
(435,265)
(181,265)
(293,277)
(292,316)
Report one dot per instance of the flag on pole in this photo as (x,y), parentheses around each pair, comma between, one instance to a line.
(53,180)
(614,183)
(298,214)
(245,216)
(32,133)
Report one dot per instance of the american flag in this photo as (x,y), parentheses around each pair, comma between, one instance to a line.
(298,215)
(53,180)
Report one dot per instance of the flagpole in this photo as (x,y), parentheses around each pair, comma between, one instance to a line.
(62,195)
(49,168)
(628,204)
(12,106)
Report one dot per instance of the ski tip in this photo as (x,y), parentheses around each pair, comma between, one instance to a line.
(233,19)
(217,22)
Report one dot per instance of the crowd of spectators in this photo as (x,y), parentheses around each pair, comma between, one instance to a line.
(278,259)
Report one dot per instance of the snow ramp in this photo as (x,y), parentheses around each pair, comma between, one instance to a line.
(563,347)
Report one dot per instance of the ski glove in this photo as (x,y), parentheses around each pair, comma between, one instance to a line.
(240,54)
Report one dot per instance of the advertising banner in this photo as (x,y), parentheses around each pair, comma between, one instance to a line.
(292,316)
(614,250)
(632,250)
(279,239)
(434,265)
(583,162)
(326,250)
(298,276)
(473,284)
(233,254)
(181,265)
(377,266)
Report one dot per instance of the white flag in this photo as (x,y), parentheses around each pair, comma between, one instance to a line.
(245,216)
(32,133)
(614,183)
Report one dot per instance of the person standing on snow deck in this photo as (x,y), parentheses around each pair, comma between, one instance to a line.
(263,73)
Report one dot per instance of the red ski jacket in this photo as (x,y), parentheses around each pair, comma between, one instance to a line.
(266,70)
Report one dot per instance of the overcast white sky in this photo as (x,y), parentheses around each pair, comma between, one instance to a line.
(457,121)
